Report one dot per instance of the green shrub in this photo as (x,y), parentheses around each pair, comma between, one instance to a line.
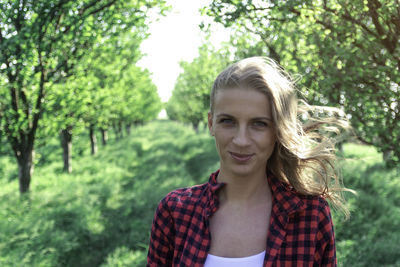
(122,257)
(371,236)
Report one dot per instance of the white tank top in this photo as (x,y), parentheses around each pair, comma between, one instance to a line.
(250,261)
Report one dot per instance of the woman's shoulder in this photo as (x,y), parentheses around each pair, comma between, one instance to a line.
(315,201)
(317,207)
(182,197)
(290,197)
(311,207)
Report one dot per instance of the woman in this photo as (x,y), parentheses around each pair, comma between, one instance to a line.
(266,205)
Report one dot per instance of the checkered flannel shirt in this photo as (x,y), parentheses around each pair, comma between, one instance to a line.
(300,231)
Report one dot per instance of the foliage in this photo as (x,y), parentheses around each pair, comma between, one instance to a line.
(371,236)
(347,51)
(101,214)
(42,43)
(117,91)
(125,257)
(190,99)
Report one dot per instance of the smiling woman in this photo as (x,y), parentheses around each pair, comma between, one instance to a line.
(266,205)
(244,132)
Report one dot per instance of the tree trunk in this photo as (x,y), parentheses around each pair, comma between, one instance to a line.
(387,155)
(114,127)
(117,131)
(121,134)
(66,143)
(128,128)
(93,140)
(138,123)
(25,169)
(340,147)
(104,136)
(196,127)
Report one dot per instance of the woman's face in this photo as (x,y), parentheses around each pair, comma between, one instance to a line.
(244,131)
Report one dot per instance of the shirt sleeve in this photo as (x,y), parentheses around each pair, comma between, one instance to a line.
(161,246)
(326,249)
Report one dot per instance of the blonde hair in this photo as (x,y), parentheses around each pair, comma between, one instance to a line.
(304,154)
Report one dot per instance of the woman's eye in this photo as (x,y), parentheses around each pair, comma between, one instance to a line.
(226,121)
(260,124)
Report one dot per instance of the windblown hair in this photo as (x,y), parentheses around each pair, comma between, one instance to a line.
(304,154)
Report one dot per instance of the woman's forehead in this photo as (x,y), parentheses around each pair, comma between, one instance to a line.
(242,102)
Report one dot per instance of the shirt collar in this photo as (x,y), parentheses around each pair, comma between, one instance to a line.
(213,183)
(286,199)
(212,195)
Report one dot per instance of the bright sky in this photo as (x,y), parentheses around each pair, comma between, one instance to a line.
(173,38)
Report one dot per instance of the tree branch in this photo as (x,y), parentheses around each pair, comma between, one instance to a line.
(97,9)
(38,107)
(14,101)
(372,5)
(11,77)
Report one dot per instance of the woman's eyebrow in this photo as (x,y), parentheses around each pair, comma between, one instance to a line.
(256,118)
(224,115)
(262,118)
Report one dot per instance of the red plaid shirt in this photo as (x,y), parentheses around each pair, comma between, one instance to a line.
(300,231)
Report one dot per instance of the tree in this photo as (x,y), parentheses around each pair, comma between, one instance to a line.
(141,100)
(102,92)
(190,100)
(41,42)
(347,51)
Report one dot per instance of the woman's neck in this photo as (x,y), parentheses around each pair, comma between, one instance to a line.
(243,190)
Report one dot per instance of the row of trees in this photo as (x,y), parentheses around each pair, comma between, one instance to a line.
(190,98)
(348,53)
(66,65)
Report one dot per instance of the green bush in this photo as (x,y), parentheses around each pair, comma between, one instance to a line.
(122,257)
(371,236)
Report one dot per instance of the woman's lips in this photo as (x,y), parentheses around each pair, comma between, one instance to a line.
(241,157)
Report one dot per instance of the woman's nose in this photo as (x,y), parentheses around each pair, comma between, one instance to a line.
(241,137)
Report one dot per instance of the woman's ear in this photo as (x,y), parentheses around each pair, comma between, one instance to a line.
(210,123)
